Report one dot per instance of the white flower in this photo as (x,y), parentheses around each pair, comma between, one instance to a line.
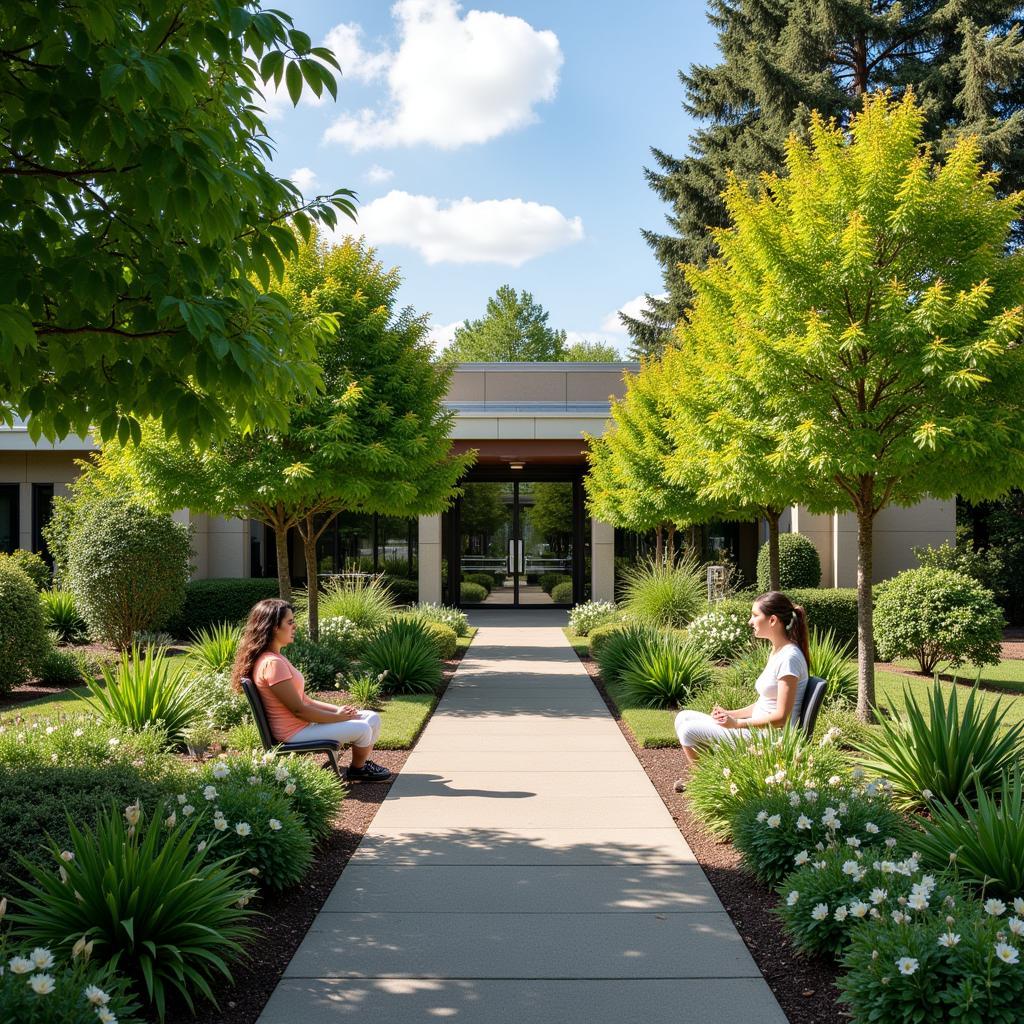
(210,793)
(171,820)
(113,741)
(96,996)
(78,732)
(218,813)
(281,772)
(275,825)
(1018,905)
(927,794)
(803,822)
(907,964)
(1008,954)
(254,780)
(243,828)
(794,799)
(19,965)
(733,789)
(850,867)
(890,842)
(841,912)
(132,813)
(1016,925)
(255,872)
(948,939)
(859,909)
(810,795)
(726,772)
(42,959)
(917,901)
(853,841)
(42,984)
(994,907)
(67,856)
(220,824)
(878,896)
(774,821)
(105,1016)
(290,788)
(188,810)
(834,780)
(181,798)
(792,898)
(221,770)
(201,846)
(762,816)
(820,912)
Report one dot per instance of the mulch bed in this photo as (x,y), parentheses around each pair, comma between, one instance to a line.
(805,988)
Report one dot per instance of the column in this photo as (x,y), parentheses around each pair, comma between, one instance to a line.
(430,558)
(602,561)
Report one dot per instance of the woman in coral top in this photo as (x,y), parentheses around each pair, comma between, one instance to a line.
(293,716)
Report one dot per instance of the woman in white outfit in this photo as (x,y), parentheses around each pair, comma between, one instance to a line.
(780,687)
(291,715)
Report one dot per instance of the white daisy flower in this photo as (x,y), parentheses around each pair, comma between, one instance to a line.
(42,984)
(907,965)
(820,912)
(1008,954)
(948,939)
(994,907)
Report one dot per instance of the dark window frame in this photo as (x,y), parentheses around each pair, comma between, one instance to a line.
(42,493)
(14,491)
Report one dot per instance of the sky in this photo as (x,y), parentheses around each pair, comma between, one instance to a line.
(499,142)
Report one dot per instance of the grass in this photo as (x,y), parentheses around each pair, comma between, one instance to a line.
(1007,675)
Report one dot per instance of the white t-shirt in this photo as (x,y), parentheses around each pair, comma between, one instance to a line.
(788,661)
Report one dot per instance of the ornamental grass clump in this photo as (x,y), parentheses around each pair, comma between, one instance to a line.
(61,616)
(720,634)
(619,646)
(213,649)
(939,752)
(833,891)
(664,593)
(737,770)
(366,604)
(777,832)
(962,963)
(664,672)
(834,661)
(585,617)
(405,655)
(160,905)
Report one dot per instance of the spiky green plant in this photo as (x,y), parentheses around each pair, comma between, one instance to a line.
(664,593)
(405,656)
(366,691)
(618,648)
(664,672)
(62,617)
(367,603)
(832,660)
(213,649)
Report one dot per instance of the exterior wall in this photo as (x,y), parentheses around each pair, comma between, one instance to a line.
(36,467)
(602,561)
(430,559)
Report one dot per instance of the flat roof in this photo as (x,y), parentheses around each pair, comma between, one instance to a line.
(547,367)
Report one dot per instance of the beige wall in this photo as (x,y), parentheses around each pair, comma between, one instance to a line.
(538,382)
(35,467)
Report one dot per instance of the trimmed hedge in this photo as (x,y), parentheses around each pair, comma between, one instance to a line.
(561,593)
(208,602)
(799,563)
(834,609)
(481,579)
(32,565)
(403,589)
(24,641)
(472,593)
(549,580)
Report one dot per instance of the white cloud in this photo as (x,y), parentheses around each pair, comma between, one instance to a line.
(356,63)
(378,174)
(509,231)
(442,335)
(634,308)
(454,80)
(304,179)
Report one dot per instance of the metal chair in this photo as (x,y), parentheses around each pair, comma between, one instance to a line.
(814,694)
(259,714)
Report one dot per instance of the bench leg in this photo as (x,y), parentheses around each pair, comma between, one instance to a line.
(333,759)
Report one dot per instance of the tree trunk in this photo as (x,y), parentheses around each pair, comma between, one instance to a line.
(312,589)
(659,547)
(671,543)
(865,618)
(284,575)
(772,516)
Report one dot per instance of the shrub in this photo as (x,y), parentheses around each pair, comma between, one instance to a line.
(937,615)
(152,638)
(367,604)
(549,580)
(940,752)
(776,832)
(453,617)
(127,568)
(720,634)
(60,668)
(160,909)
(341,643)
(223,708)
(213,648)
(61,616)
(244,738)
(92,663)
(722,692)
(32,564)
(616,649)
(483,579)
(988,841)
(747,665)
(147,690)
(446,643)
(72,983)
(897,973)
(24,641)
(663,672)
(561,593)
(57,533)
(600,635)
(839,720)
(403,590)
(985,566)
(406,656)
(799,564)
(586,617)
(472,593)
(840,891)
(208,602)
(830,609)
(737,770)
(831,660)
(660,593)
(366,692)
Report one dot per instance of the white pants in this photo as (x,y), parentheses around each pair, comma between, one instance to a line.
(360,732)
(695,729)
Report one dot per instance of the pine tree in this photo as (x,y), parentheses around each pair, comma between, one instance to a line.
(781,59)
(514,328)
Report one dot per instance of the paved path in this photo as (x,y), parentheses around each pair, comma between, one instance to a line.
(522,868)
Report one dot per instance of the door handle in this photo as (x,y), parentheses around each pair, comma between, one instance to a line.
(511,557)
(522,559)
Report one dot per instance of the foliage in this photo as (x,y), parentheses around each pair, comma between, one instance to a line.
(160,909)
(481,579)
(745,666)
(987,841)
(70,992)
(936,615)
(839,720)
(774,831)
(366,691)
(341,643)
(561,593)
(617,648)
(152,638)
(446,643)
(211,602)
(244,738)
(472,593)
(127,567)
(91,662)
(213,648)
(184,332)
(830,610)
(24,642)
(147,690)
(661,593)
(406,656)
(738,770)
(600,635)
(590,352)
(719,634)
(223,708)
(830,660)
(550,516)
(315,794)
(404,591)
(663,671)
(588,616)
(724,692)
(32,564)
(943,965)
(549,580)
(985,566)
(453,617)
(799,564)
(56,533)
(60,668)
(992,529)
(366,604)
(939,752)
(513,329)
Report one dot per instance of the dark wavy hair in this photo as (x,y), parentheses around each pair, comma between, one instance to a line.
(264,619)
(792,616)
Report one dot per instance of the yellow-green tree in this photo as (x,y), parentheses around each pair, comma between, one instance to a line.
(871,309)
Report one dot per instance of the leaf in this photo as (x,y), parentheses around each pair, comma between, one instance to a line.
(293,80)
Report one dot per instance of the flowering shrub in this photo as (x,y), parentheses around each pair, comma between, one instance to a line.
(719,634)
(341,642)
(737,770)
(454,618)
(585,617)
(959,963)
(771,832)
(223,708)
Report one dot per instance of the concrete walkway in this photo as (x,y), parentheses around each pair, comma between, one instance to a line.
(522,868)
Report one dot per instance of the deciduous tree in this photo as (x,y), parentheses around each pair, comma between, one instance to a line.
(513,329)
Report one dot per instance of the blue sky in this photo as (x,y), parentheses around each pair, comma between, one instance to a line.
(502,142)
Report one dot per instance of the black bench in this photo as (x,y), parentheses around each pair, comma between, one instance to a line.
(814,694)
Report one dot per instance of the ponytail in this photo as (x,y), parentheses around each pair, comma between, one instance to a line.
(793,619)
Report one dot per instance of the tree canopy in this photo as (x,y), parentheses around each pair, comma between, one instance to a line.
(586,351)
(514,328)
(141,226)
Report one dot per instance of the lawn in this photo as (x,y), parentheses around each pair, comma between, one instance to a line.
(1007,675)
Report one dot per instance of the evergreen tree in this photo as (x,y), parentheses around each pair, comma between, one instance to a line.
(515,327)
(781,59)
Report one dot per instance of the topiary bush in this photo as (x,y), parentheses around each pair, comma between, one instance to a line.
(24,641)
(127,567)
(937,615)
(799,564)
(832,609)
(561,593)
(35,568)
(549,580)
(472,593)
(483,579)
(209,602)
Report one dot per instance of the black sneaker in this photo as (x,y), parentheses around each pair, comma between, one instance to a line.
(370,772)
